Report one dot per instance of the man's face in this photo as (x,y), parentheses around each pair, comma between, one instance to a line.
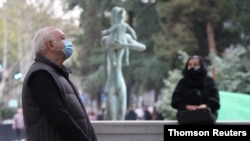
(56,45)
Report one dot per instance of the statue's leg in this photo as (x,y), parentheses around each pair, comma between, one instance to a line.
(111,106)
(122,101)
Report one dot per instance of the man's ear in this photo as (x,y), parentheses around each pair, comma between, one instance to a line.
(50,45)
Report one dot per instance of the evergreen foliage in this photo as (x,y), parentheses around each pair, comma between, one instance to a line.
(174,76)
(231,74)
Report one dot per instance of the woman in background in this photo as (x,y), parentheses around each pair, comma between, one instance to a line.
(196,90)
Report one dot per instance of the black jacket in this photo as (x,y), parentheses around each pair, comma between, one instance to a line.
(52,108)
(209,95)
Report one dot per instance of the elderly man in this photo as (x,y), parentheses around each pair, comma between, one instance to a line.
(52,108)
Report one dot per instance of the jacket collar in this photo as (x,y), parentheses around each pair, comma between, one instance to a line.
(60,69)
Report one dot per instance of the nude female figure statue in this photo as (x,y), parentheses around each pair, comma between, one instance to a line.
(117,40)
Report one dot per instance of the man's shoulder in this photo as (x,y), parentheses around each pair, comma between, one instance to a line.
(38,68)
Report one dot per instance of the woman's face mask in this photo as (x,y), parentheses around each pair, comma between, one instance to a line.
(193,67)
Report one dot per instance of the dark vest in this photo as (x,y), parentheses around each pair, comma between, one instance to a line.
(36,124)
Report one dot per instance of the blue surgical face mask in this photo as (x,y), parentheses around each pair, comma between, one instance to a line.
(68,48)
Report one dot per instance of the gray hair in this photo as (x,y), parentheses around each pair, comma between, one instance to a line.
(41,36)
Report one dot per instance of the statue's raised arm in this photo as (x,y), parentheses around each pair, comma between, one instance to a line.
(120,35)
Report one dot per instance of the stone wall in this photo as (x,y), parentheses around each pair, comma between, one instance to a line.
(130,130)
(122,130)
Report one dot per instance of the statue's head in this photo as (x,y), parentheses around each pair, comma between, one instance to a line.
(118,14)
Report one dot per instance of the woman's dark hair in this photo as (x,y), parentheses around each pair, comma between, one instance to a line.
(201,61)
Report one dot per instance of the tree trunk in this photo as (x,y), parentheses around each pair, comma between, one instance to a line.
(210,36)
(157,93)
(211,44)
